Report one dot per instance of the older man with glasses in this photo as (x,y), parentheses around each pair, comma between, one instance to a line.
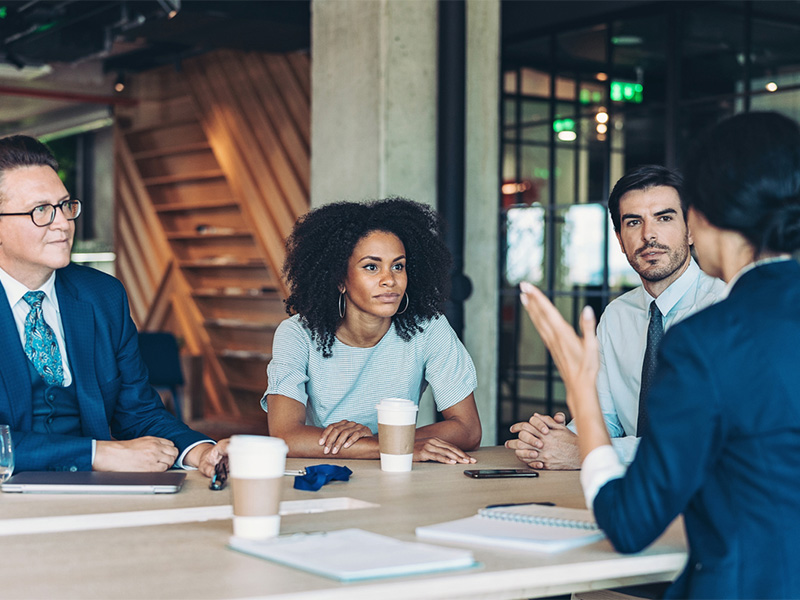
(73,387)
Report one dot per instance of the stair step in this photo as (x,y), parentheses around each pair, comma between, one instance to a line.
(222,261)
(160,125)
(163,208)
(184,177)
(240,324)
(170,150)
(236,292)
(247,387)
(210,233)
(245,355)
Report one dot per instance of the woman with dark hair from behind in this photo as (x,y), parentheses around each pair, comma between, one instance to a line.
(723,447)
(367,285)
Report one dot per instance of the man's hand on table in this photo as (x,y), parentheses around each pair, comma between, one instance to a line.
(206,456)
(546,443)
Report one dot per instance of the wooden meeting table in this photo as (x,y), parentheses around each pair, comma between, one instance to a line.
(190,560)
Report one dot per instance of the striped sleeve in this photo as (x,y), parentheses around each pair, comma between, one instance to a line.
(287,372)
(448,366)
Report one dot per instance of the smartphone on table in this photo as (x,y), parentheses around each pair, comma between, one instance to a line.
(497,473)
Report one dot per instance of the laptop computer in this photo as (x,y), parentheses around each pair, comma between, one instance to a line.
(94,482)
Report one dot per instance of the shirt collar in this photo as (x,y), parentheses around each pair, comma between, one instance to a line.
(669,297)
(16,290)
(750,267)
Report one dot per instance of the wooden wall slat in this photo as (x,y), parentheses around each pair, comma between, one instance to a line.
(254,114)
(162,302)
(242,144)
(135,236)
(290,138)
(293,74)
(137,304)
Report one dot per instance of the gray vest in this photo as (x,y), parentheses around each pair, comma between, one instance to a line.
(55,408)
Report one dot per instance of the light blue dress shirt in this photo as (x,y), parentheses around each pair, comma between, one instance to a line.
(622,335)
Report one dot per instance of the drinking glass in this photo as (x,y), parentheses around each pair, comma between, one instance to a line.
(6,453)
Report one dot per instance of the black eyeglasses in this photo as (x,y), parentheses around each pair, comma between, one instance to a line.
(44,214)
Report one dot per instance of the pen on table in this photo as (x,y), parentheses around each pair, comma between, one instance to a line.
(521,504)
(220,477)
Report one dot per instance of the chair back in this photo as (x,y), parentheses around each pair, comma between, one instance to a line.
(159,351)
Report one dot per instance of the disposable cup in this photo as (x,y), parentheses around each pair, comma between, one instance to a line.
(397,423)
(256,466)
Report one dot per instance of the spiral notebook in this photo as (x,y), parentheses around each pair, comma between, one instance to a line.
(523,527)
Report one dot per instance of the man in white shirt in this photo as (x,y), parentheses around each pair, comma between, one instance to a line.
(649,217)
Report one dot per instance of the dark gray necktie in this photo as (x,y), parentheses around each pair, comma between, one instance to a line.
(655,331)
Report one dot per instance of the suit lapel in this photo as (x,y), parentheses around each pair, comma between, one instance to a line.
(14,375)
(77,318)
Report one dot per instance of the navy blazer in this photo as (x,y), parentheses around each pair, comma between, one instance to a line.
(114,396)
(724,445)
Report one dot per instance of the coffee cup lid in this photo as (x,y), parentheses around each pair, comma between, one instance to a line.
(396,404)
(262,441)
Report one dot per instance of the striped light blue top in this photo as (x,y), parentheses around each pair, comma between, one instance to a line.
(350,383)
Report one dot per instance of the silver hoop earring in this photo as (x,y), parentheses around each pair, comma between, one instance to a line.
(342,304)
(400,312)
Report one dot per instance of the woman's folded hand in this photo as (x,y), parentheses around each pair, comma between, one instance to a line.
(342,435)
(436,449)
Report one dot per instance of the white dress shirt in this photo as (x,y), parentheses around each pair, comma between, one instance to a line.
(52,316)
(622,336)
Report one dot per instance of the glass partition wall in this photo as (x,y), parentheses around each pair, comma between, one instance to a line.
(583,105)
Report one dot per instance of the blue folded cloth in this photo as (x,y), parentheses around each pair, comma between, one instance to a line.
(318,475)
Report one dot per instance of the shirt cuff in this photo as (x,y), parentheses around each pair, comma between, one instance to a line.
(626,447)
(599,467)
(179,462)
(94,449)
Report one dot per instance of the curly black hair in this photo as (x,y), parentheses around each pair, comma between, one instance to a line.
(320,246)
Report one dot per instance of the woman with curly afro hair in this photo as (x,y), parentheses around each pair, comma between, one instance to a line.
(367,285)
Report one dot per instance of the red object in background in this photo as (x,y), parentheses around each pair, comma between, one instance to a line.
(521,192)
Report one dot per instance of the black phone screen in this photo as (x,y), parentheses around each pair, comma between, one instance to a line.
(495,473)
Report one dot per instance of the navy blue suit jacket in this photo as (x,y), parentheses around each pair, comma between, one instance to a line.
(114,396)
(724,445)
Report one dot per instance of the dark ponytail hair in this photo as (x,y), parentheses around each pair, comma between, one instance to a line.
(743,175)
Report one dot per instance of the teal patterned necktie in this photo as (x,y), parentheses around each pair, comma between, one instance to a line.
(41,345)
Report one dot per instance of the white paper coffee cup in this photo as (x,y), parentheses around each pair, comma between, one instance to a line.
(397,423)
(256,464)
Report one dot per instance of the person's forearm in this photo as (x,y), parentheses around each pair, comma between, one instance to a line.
(454,431)
(303,442)
(589,422)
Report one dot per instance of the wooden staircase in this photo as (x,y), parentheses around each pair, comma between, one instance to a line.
(199,245)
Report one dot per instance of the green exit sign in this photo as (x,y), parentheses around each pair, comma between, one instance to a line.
(3,12)
(560,125)
(625,91)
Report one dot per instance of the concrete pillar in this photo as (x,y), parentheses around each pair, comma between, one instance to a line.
(482,204)
(373,110)
(373,134)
